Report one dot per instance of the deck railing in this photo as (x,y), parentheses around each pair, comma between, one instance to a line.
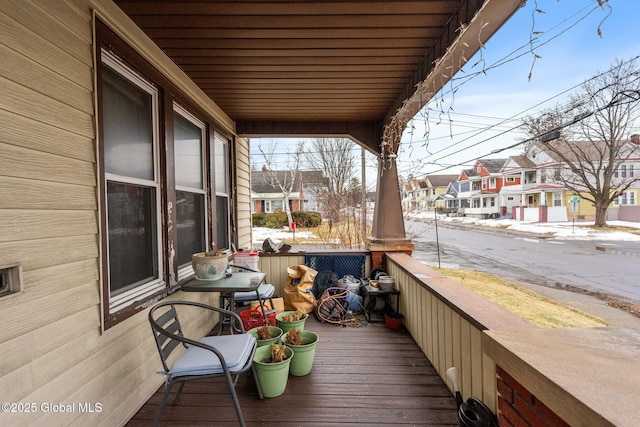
(447,322)
(496,351)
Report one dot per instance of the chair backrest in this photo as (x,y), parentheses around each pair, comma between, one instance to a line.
(166,322)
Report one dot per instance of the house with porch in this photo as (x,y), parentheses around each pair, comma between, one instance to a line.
(482,185)
(267,195)
(124,149)
(451,199)
(528,194)
(551,172)
(423,195)
(437,186)
(415,194)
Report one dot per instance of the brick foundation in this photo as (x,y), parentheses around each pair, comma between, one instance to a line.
(517,407)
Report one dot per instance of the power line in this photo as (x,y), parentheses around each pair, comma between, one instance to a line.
(529,46)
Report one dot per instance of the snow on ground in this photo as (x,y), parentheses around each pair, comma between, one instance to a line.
(560,230)
(260,234)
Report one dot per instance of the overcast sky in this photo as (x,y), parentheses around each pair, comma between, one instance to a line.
(517,73)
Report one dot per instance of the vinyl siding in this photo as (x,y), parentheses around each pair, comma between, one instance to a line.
(52,343)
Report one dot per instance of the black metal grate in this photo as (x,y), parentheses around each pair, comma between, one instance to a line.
(341,264)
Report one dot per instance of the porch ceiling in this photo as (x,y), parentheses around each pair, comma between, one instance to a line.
(316,68)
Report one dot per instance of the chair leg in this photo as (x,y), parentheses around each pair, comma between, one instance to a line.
(179,393)
(163,403)
(257,381)
(236,402)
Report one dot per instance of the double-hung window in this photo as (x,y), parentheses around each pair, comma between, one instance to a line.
(627,198)
(165,183)
(222,191)
(557,199)
(131,183)
(188,146)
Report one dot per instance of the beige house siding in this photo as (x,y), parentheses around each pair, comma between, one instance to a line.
(243,192)
(52,344)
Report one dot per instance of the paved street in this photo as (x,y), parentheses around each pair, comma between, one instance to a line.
(610,267)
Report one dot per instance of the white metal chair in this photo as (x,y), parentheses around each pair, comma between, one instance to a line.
(211,356)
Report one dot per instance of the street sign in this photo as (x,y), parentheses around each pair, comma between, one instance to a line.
(574,204)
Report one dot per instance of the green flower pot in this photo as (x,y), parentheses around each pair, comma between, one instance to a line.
(303,355)
(286,326)
(276,333)
(271,376)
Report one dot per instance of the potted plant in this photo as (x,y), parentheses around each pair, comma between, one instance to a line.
(291,320)
(266,335)
(304,347)
(272,368)
(210,265)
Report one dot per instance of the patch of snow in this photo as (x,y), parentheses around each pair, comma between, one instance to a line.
(558,230)
(260,234)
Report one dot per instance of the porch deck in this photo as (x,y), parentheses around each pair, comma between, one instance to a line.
(366,375)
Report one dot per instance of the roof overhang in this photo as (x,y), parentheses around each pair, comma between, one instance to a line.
(358,69)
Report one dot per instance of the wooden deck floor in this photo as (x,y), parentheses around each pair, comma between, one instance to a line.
(361,376)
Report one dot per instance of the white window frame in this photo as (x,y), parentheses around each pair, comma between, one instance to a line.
(129,297)
(627,198)
(226,194)
(557,199)
(187,270)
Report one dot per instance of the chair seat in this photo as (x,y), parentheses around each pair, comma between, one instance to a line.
(265,291)
(235,349)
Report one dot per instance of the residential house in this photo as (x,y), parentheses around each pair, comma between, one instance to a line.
(528,194)
(415,195)
(421,195)
(553,171)
(451,199)
(436,188)
(124,149)
(480,188)
(120,159)
(468,186)
(267,195)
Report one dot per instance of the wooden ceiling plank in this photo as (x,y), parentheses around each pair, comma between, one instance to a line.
(313,53)
(294,8)
(306,33)
(291,22)
(196,69)
(304,60)
(299,43)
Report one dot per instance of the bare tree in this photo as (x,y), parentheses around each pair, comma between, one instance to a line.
(591,137)
(343,191)
(333,156)
(285,179)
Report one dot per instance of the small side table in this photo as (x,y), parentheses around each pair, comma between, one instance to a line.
(373,294)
